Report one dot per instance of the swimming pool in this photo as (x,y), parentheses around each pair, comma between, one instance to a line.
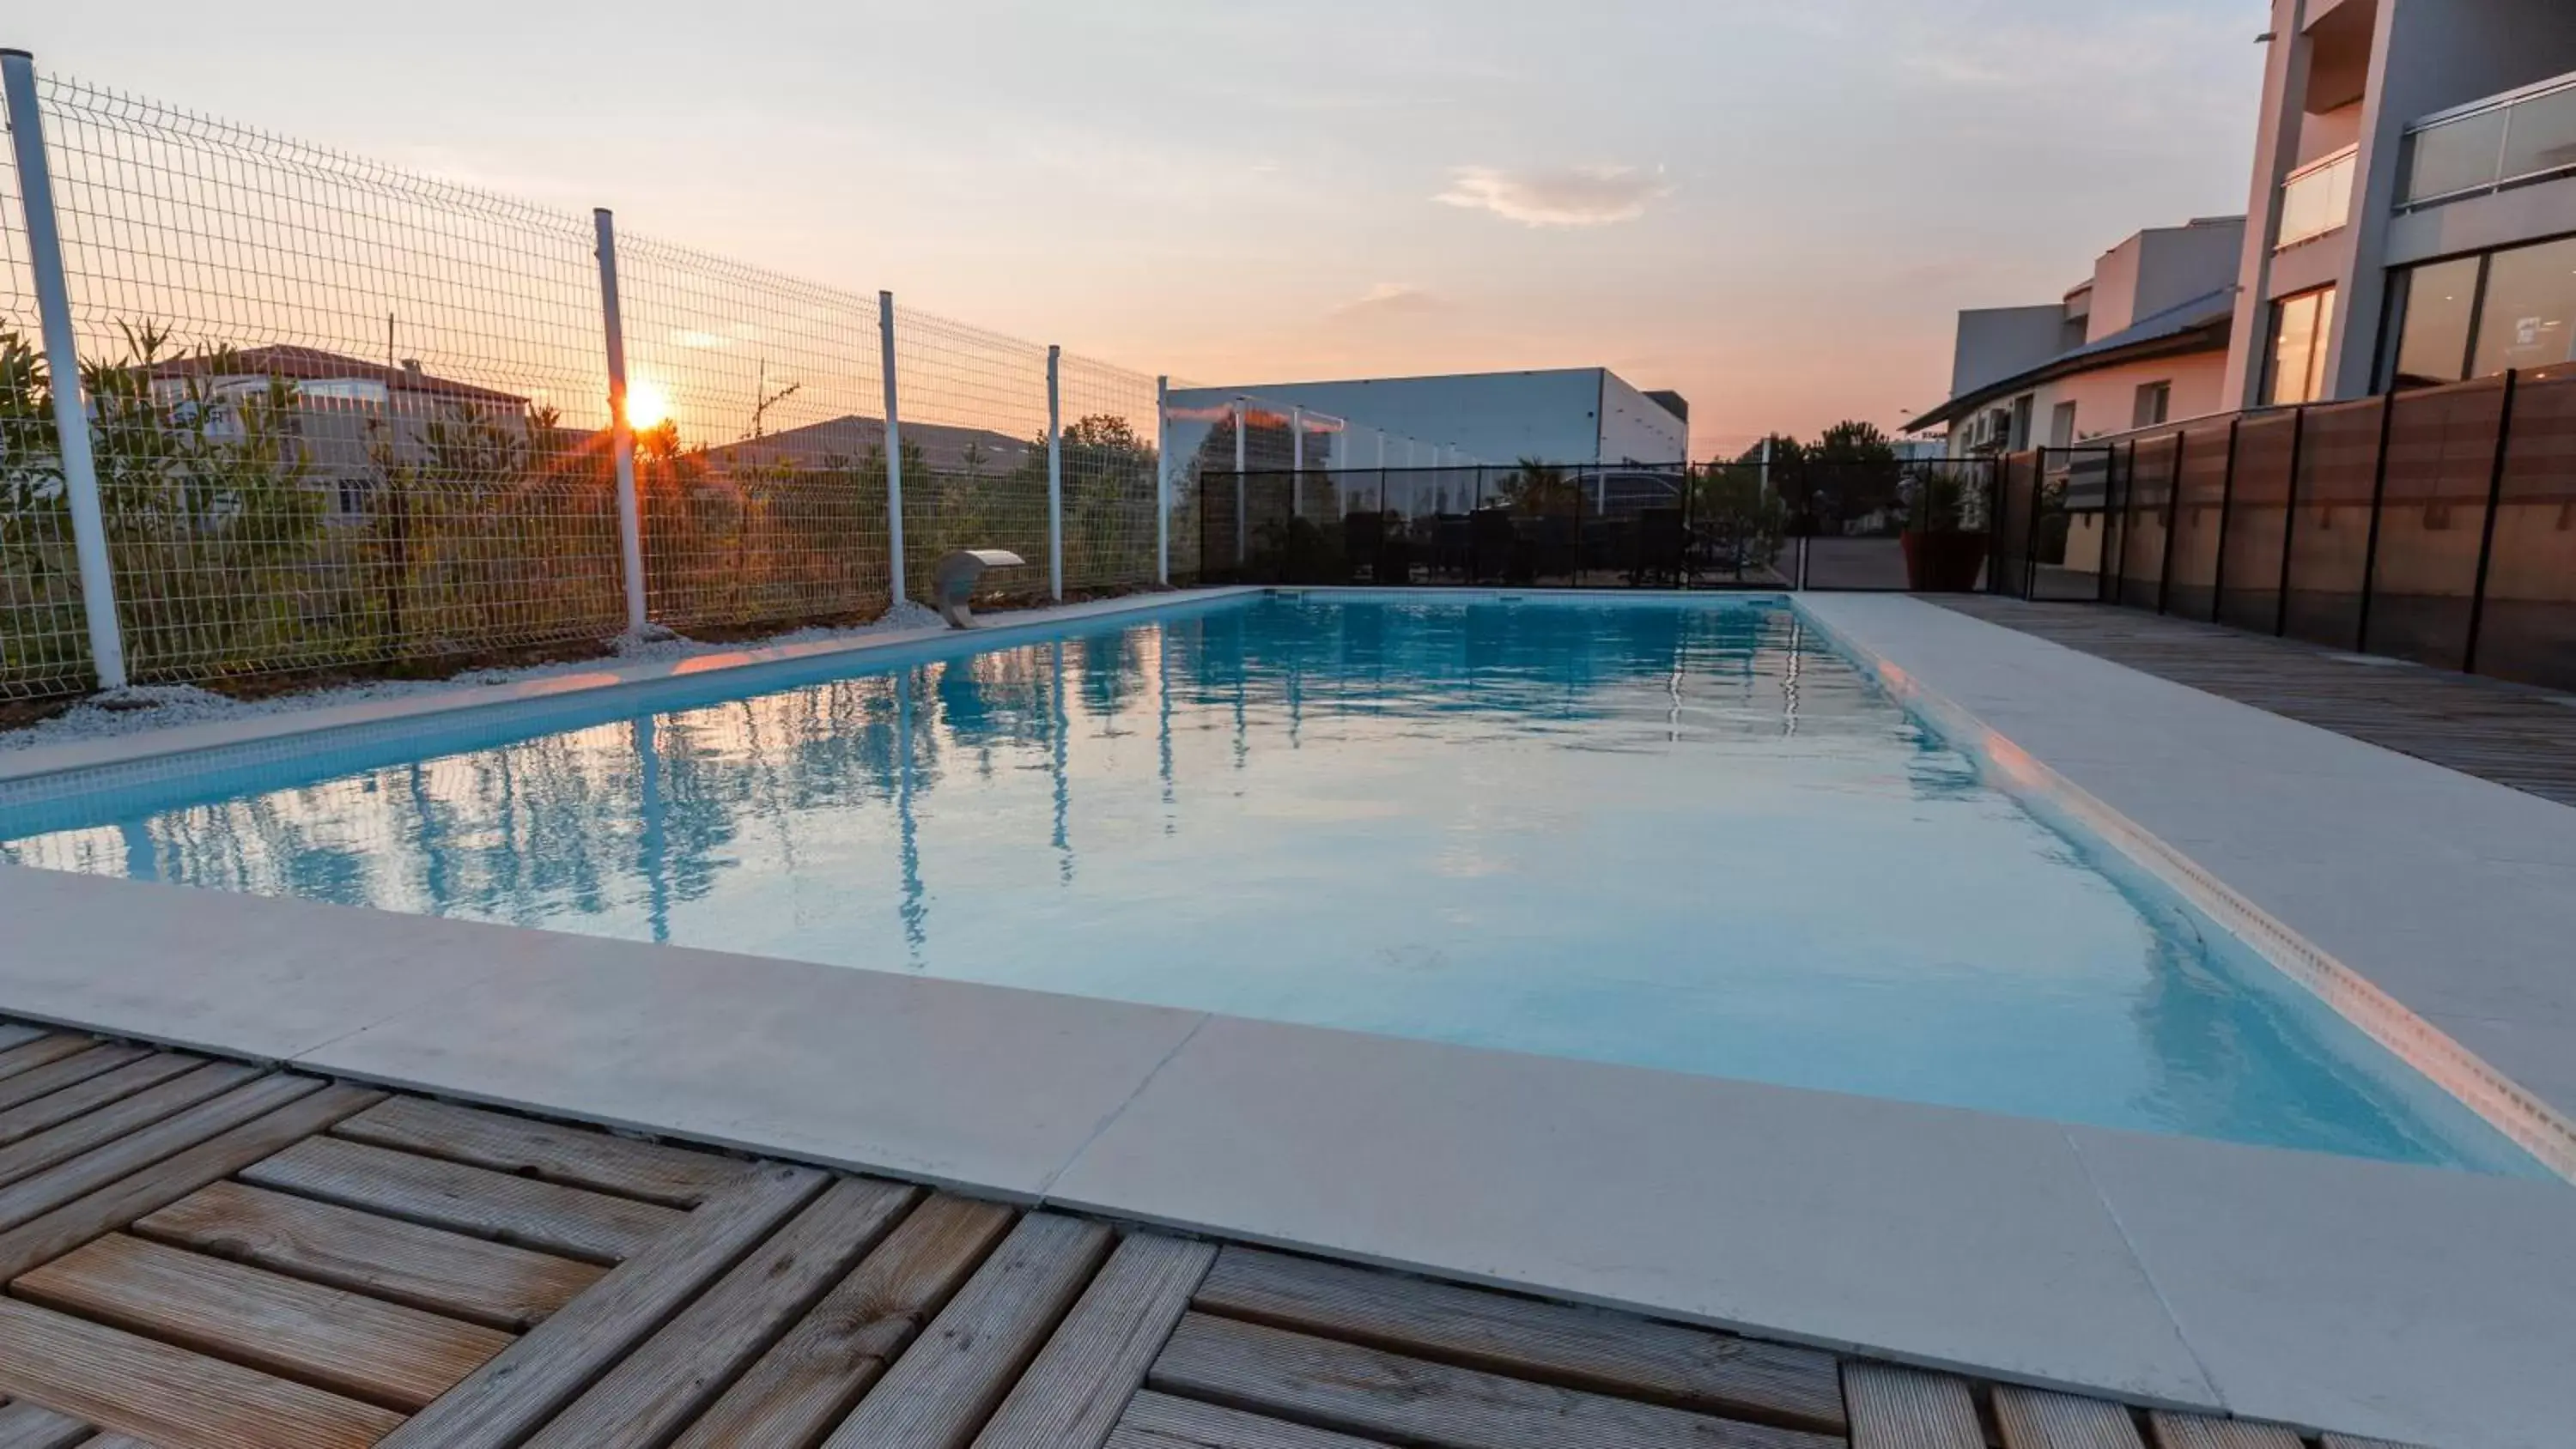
(1683,834)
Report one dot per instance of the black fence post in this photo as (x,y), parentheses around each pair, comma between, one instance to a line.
(2370,540)
(2226,504)
(2290,519)
(2030,526)
(2173,515)
(2495,500)
(2128,524)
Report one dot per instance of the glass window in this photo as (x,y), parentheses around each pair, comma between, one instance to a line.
(2436,305)
(2023,408)
(2302,337)
(2529,320)
(2061,425)
(2153,405)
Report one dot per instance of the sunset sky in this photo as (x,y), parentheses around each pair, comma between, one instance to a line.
(1773,207)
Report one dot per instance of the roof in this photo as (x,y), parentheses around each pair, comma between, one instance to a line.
(940,445)
(2199,325)
(312,364)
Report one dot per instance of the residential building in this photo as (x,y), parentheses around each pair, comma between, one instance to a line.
(1580,415)
(2142,341)
(2414,198)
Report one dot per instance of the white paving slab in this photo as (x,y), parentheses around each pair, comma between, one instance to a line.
(1950,1238)
(270,979)
(2408,1303)
(953,1083)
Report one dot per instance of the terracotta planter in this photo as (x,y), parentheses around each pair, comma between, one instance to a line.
(1943,563)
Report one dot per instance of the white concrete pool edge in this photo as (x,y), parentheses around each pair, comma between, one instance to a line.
(2541,1129)
(2399,1302)
(35,761)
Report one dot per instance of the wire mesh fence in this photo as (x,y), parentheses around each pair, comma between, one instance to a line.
(346,418)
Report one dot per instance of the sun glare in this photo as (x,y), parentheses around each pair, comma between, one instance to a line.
(646,407)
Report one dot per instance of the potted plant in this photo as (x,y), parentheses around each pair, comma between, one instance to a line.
(1944,540)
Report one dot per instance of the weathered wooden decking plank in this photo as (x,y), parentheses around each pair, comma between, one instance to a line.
(79,1067)
(44,1050)
(382,1353)
(119,1119)
(55,1108)
(172,1178)
(531,1380)
(14,1034)
(2192,1431)
(542,1215)
(484,1282)
(676,1373)
(1072,1394)
(944,1387)
(168,1396)
(2349,1441)
(812,1377)
(32,1426)
(2496,731)
(1522,1338)
(32,1197)
(2036,1419)
(1901,1408)
(1160,1421)
(1377,1394)
(573,1156)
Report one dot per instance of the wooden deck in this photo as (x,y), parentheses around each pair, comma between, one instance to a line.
(200,1254)
(2513,736)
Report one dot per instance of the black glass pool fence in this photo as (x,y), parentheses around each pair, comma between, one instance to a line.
(1751,525)
(2436,524)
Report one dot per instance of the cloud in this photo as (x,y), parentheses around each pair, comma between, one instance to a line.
(1566,196)
(1390,299)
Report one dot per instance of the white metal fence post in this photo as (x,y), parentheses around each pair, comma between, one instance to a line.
(1163,480)
(62,364)
(1055,474)
(893,451)
(630,512)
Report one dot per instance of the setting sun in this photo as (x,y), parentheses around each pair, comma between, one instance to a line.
(646,406)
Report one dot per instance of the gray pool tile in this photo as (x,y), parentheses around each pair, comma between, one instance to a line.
(2539,1055)
(2409,1303)
(1951,1238)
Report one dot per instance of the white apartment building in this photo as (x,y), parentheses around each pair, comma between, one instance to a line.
(1576,415)
(2143,340)
(2413,209)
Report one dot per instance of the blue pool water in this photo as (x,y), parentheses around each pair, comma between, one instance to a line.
(1677,835)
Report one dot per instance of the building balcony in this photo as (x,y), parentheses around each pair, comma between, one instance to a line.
(2316,199)
(2514,139)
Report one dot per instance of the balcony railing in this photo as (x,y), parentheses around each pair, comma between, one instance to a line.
(2507,140)
(2317,198)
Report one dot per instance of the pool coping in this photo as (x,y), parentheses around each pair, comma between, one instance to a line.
(22,764)
(2406,1303)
